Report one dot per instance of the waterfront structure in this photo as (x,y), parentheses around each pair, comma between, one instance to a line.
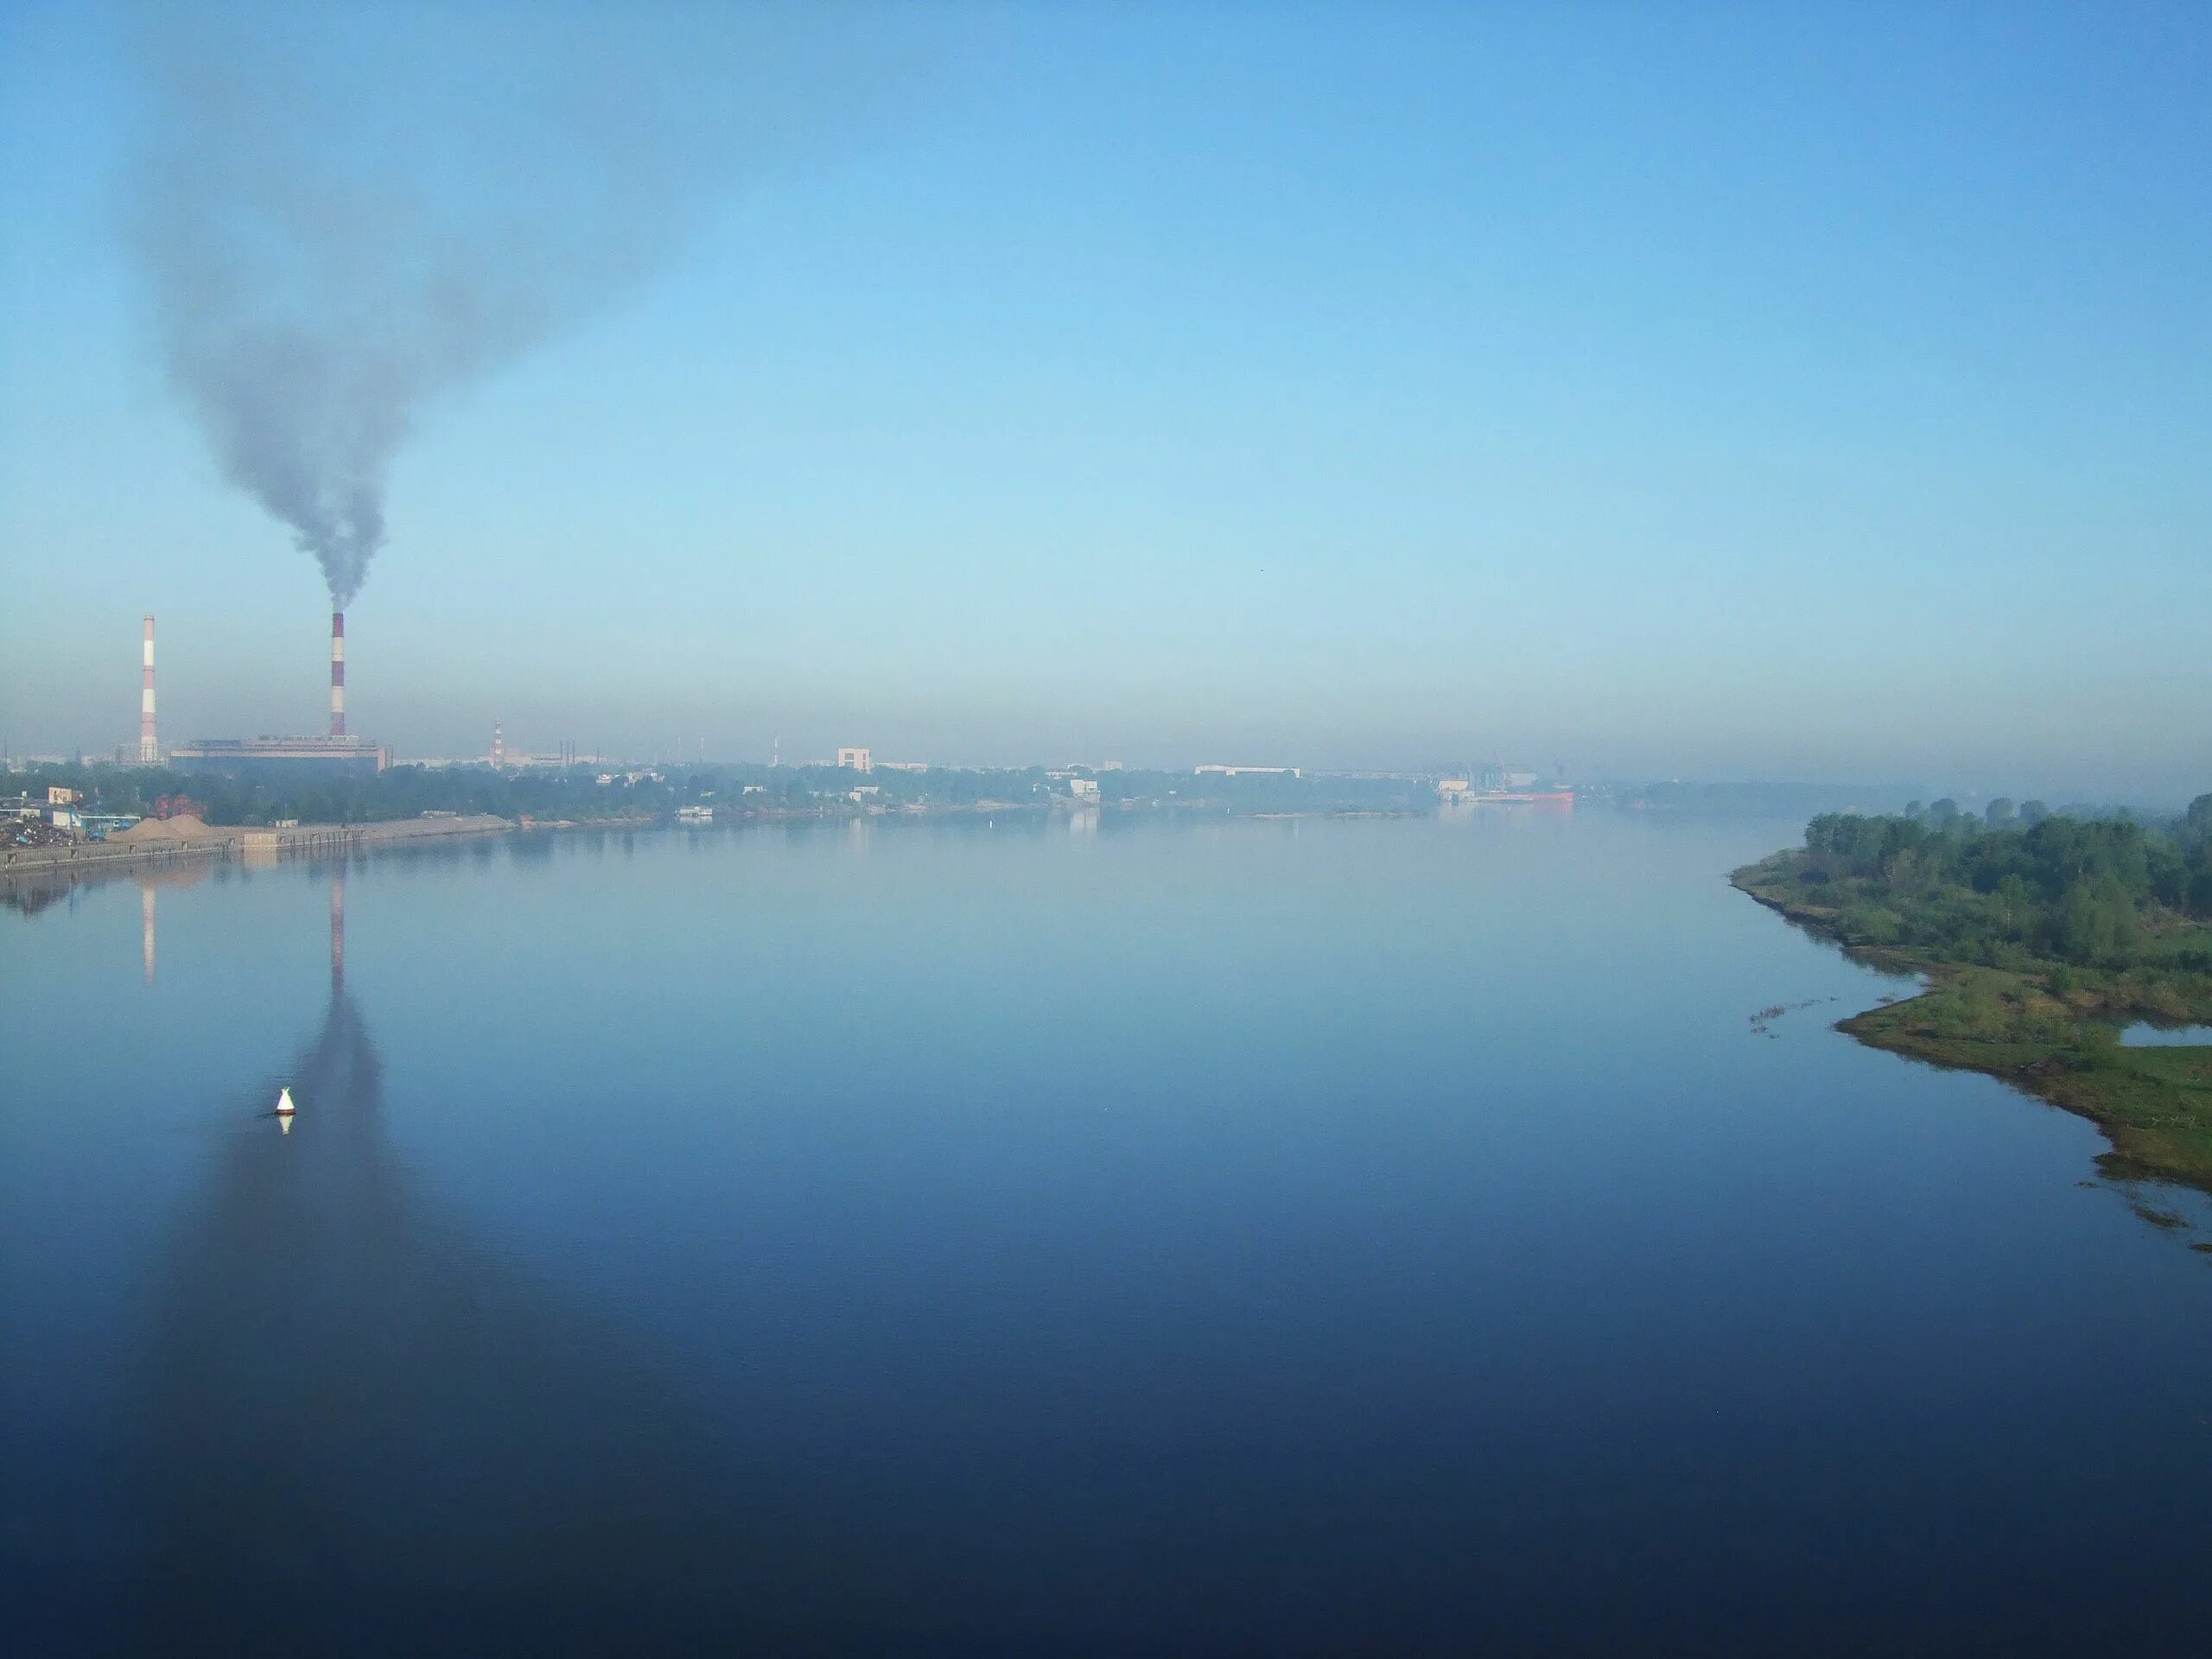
(856,761)
(1561,799)
(1247,772)
(1083,788)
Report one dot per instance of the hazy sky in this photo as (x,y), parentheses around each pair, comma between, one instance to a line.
(1778,391)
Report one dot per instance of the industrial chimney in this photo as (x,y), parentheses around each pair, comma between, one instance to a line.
(150,750)
(338,673)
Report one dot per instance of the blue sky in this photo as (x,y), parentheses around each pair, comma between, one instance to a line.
(1661,390)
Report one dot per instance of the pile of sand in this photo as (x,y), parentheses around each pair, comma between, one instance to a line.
(179,829)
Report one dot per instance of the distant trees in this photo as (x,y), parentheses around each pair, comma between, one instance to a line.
(1999,812)
(576,791)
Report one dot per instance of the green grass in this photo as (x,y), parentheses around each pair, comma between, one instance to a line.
(2049,1029)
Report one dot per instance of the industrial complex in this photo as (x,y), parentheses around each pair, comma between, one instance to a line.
(289,757)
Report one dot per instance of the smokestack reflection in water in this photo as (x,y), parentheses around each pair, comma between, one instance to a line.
(362,1433)
(174,875)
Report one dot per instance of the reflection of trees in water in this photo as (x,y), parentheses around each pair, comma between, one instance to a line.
(31,894)
(361,1435)
(536,848)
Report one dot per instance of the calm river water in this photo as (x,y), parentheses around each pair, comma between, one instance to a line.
(1266,1237)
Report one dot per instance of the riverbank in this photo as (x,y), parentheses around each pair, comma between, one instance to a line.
(2051,1031)
(154,842)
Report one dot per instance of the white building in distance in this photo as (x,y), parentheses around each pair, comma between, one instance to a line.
(856,759)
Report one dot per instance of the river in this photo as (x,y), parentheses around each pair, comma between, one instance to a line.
(1037,1237)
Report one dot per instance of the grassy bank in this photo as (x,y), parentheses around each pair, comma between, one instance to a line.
(2049,1027)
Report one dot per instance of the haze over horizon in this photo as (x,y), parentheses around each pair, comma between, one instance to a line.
(1821,398)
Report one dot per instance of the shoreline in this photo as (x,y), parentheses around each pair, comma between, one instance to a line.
(243,841)
(2152,1104)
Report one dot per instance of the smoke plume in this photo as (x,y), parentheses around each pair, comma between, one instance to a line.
(348,214)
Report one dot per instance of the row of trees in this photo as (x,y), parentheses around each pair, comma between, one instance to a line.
(1943,814)
(401,792)
(577,792)
(2112,892)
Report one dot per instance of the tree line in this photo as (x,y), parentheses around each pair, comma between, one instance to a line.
(2021,883)
(577,791)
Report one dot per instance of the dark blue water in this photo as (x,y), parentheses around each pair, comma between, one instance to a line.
(1381,1236)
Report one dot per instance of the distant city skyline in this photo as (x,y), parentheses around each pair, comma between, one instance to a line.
(1819,398)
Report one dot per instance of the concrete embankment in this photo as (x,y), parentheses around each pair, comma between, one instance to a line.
(180,839)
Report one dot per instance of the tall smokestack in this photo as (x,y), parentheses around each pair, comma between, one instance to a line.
(150,750)
(338,673)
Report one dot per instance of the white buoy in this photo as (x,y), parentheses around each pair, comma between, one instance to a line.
(284,1108)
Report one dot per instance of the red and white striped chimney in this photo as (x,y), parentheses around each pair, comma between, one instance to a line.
(338,673)
(150,750)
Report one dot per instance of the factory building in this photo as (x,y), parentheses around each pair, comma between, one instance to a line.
(285,757)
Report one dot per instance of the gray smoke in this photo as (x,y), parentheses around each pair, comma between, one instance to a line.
(347,215)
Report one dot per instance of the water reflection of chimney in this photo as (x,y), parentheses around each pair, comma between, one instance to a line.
(337,930)
(146,919)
